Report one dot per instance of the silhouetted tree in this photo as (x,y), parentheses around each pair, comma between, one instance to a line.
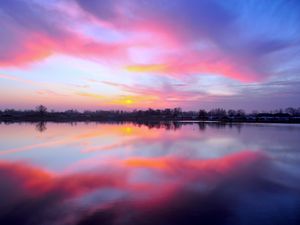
(218,113)
(291,111)
(231,112)
(177,112)
(202,114)
(42,110)
(240,113)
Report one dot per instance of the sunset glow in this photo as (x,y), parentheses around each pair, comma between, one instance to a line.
(133,54)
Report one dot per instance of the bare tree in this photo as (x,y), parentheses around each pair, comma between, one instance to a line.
(41,110)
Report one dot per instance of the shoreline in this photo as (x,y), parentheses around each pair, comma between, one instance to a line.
(141,121)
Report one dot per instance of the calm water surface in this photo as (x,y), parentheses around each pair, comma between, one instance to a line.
(159,174)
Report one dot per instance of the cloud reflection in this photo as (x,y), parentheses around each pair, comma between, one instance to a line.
(241,188)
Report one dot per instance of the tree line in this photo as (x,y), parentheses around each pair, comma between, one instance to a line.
(41,113)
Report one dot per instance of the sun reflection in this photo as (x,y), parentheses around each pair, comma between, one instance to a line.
(128,130)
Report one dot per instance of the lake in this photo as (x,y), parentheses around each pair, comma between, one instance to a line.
(161,173)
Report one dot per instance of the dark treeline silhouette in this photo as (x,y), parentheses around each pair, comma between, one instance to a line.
(41,113)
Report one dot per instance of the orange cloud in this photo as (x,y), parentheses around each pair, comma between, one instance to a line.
(222,67)
(147,68)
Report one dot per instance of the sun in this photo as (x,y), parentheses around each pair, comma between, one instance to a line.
(128,101)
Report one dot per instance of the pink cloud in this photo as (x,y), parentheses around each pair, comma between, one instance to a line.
(171,31)
(36,47)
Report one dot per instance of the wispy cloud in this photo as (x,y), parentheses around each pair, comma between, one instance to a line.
(21,80)
(250,43)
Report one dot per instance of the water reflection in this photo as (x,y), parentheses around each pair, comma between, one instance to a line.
(41,126)
(131,174)
(168,125)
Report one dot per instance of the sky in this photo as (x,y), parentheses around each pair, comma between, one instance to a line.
(137,54)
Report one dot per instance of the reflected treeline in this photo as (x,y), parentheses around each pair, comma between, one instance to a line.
(167,125)
(175,125)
